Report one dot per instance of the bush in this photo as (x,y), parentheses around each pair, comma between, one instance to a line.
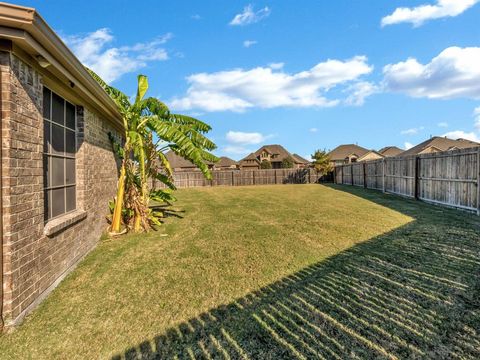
(321,162)
(265,164)
(287,163)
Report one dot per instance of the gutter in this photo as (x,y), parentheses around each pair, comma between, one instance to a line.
(28,30)
(2,323)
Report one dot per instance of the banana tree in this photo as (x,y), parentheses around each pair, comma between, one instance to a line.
(150,130)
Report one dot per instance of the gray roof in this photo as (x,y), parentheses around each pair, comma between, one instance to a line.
(225,161)
(301,159)
(441,143)
(250,156)
(176,161)
(390,151)
(342,151)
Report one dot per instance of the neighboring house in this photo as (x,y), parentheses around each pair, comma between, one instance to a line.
(180,164)
(225,163)
(250,162)
(351,153)
(58,169)
(275,154)
(301,159)
(390,151)
(437,143)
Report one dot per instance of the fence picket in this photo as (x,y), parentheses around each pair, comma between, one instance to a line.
(449,178)
(187,179)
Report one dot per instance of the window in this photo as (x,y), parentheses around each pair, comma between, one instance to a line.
(59,148)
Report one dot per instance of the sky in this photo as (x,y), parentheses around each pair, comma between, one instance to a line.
(305,74)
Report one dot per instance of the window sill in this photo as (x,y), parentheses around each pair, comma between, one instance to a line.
(56,225)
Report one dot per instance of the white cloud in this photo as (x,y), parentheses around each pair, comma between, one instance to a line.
(313,130)
(420,14)
(149,46)
(236,150)
(472,135)
(443,124)
(246,138)
(408,145)
(459,134)
(276,66)
(476,114)
(411,131)
(248,43)
(196,17)
(238,90)
(113,62)
(453,73)
(249,16)
(359,92)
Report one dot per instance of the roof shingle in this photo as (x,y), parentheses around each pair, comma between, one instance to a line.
(276,149)
(225,162)
(390,151)
(342,151)
(440,143)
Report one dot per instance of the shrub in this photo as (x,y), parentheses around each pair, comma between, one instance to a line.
(265,164)
(287,163)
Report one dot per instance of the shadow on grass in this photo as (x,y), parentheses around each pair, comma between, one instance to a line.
(411,293)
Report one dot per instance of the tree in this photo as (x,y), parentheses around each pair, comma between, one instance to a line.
(321,162)
(287,163)
(151,130)
(265,164)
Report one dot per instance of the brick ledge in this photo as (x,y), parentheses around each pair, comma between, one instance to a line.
(56,225)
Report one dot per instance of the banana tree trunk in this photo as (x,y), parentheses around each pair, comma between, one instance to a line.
(137,227)
(117,211)
(137,223)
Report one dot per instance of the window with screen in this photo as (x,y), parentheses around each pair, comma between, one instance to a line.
(59,148)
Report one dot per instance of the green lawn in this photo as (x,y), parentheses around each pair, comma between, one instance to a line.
(305,271)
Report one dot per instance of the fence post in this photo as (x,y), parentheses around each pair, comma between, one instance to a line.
(384,174)
(351,174)
(233,178)
(253,174)
(364,174)
(416,178)
(478,181)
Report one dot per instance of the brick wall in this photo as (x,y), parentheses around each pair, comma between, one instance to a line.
(33,262)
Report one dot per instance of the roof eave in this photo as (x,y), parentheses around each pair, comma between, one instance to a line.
(26,28)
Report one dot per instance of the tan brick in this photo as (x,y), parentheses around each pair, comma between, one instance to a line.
(32,261)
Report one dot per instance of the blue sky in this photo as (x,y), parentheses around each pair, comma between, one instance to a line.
(307,75)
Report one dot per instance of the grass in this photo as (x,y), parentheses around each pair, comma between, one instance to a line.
(302,271)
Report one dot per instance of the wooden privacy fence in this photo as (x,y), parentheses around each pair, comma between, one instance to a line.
(187,179)
(449,178)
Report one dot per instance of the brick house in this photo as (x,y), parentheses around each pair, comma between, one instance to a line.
(275,155)
(58,169)
(350,153)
